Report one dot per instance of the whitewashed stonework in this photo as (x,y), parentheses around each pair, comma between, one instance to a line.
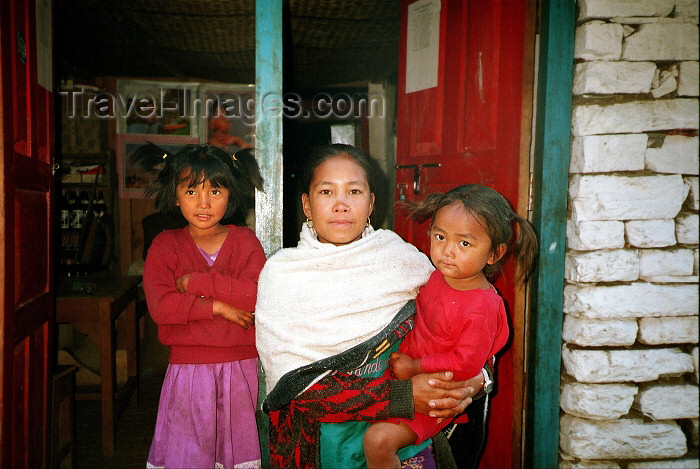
(651,233)
(689,463)
(588,235)
(677,155)
(613,77)
(599,332)
(587,464)
(635,117)
(598,401)
(636,300)
(687,8)
(610,366)
(611,8)
(675,330)
(693,202)
(607,153)
(668,401)
(630,326)
(621,438)
(662,41)
(665,262)
(603,266)
(597,40)
(687,228)
(688,78)
(612,197)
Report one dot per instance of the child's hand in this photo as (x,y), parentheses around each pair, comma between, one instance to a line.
(181,283)
(401,365)
(233,314)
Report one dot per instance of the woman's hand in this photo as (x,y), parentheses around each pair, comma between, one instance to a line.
(437,395)
(233,314)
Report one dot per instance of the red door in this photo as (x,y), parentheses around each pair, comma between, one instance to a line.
(26,154)
(467,129)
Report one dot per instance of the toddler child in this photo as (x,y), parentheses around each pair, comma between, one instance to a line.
(461,319)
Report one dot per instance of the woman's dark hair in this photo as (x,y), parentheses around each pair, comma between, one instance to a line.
(495,214)
(320,154)
(238,173)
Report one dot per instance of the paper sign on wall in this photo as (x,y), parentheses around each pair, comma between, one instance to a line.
(422,45)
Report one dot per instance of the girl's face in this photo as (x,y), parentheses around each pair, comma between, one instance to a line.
(203,206)
(460,247)
(339,201)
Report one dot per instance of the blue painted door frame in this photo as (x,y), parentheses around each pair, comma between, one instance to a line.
(552,154)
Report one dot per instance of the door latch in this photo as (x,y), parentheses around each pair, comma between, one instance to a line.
(416,173)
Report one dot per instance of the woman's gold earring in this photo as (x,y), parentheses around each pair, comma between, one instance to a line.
(310,223)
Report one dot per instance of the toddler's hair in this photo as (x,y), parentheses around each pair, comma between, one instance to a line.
(239,174)
(495,214)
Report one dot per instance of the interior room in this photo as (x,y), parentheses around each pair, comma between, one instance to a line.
(116,65)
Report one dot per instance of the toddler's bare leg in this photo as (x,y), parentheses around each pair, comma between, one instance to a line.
(383,440)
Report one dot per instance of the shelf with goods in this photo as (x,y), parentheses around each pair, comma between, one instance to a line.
(86,212)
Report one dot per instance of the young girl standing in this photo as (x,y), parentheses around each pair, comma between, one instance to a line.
(461,319)
(201,285)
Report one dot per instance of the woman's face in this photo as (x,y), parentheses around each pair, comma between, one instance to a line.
(339,201)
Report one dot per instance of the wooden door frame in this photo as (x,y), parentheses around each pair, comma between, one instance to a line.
(552,154)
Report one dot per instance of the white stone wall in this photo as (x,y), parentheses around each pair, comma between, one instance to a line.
(629,395)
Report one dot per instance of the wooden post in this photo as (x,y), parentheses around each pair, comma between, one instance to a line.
(268,141)
(552,152)
(268,113)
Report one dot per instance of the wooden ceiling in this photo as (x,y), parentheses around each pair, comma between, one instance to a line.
(326,43)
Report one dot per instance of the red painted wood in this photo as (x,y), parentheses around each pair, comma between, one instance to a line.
(26,116)
(470,125)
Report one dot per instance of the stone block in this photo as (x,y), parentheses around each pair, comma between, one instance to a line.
(638,299)
(588,464)
(692,182)
(590,235)
(651,233)
(613,197)
(620,439)
(666,84)
(688,79)
(678,154)
(689,463)
(668,401)
(671,278)
(662,42)
(599,332)
(696,365)
(613,77)
(597,40)
(611,366)
(686,8)
(670,330)
(687,228)
(589,9)
(602,266)
(665,262)
(635,116)
(597,401)
(607,153)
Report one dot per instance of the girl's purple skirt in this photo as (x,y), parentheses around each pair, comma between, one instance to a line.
(206,417)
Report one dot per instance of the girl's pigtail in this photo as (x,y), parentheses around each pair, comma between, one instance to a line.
(244,160)
(525,247)
(424,209)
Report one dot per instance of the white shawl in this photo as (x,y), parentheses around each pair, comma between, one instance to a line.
(318,299)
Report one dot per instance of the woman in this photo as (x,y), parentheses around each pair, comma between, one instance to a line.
(329,313)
